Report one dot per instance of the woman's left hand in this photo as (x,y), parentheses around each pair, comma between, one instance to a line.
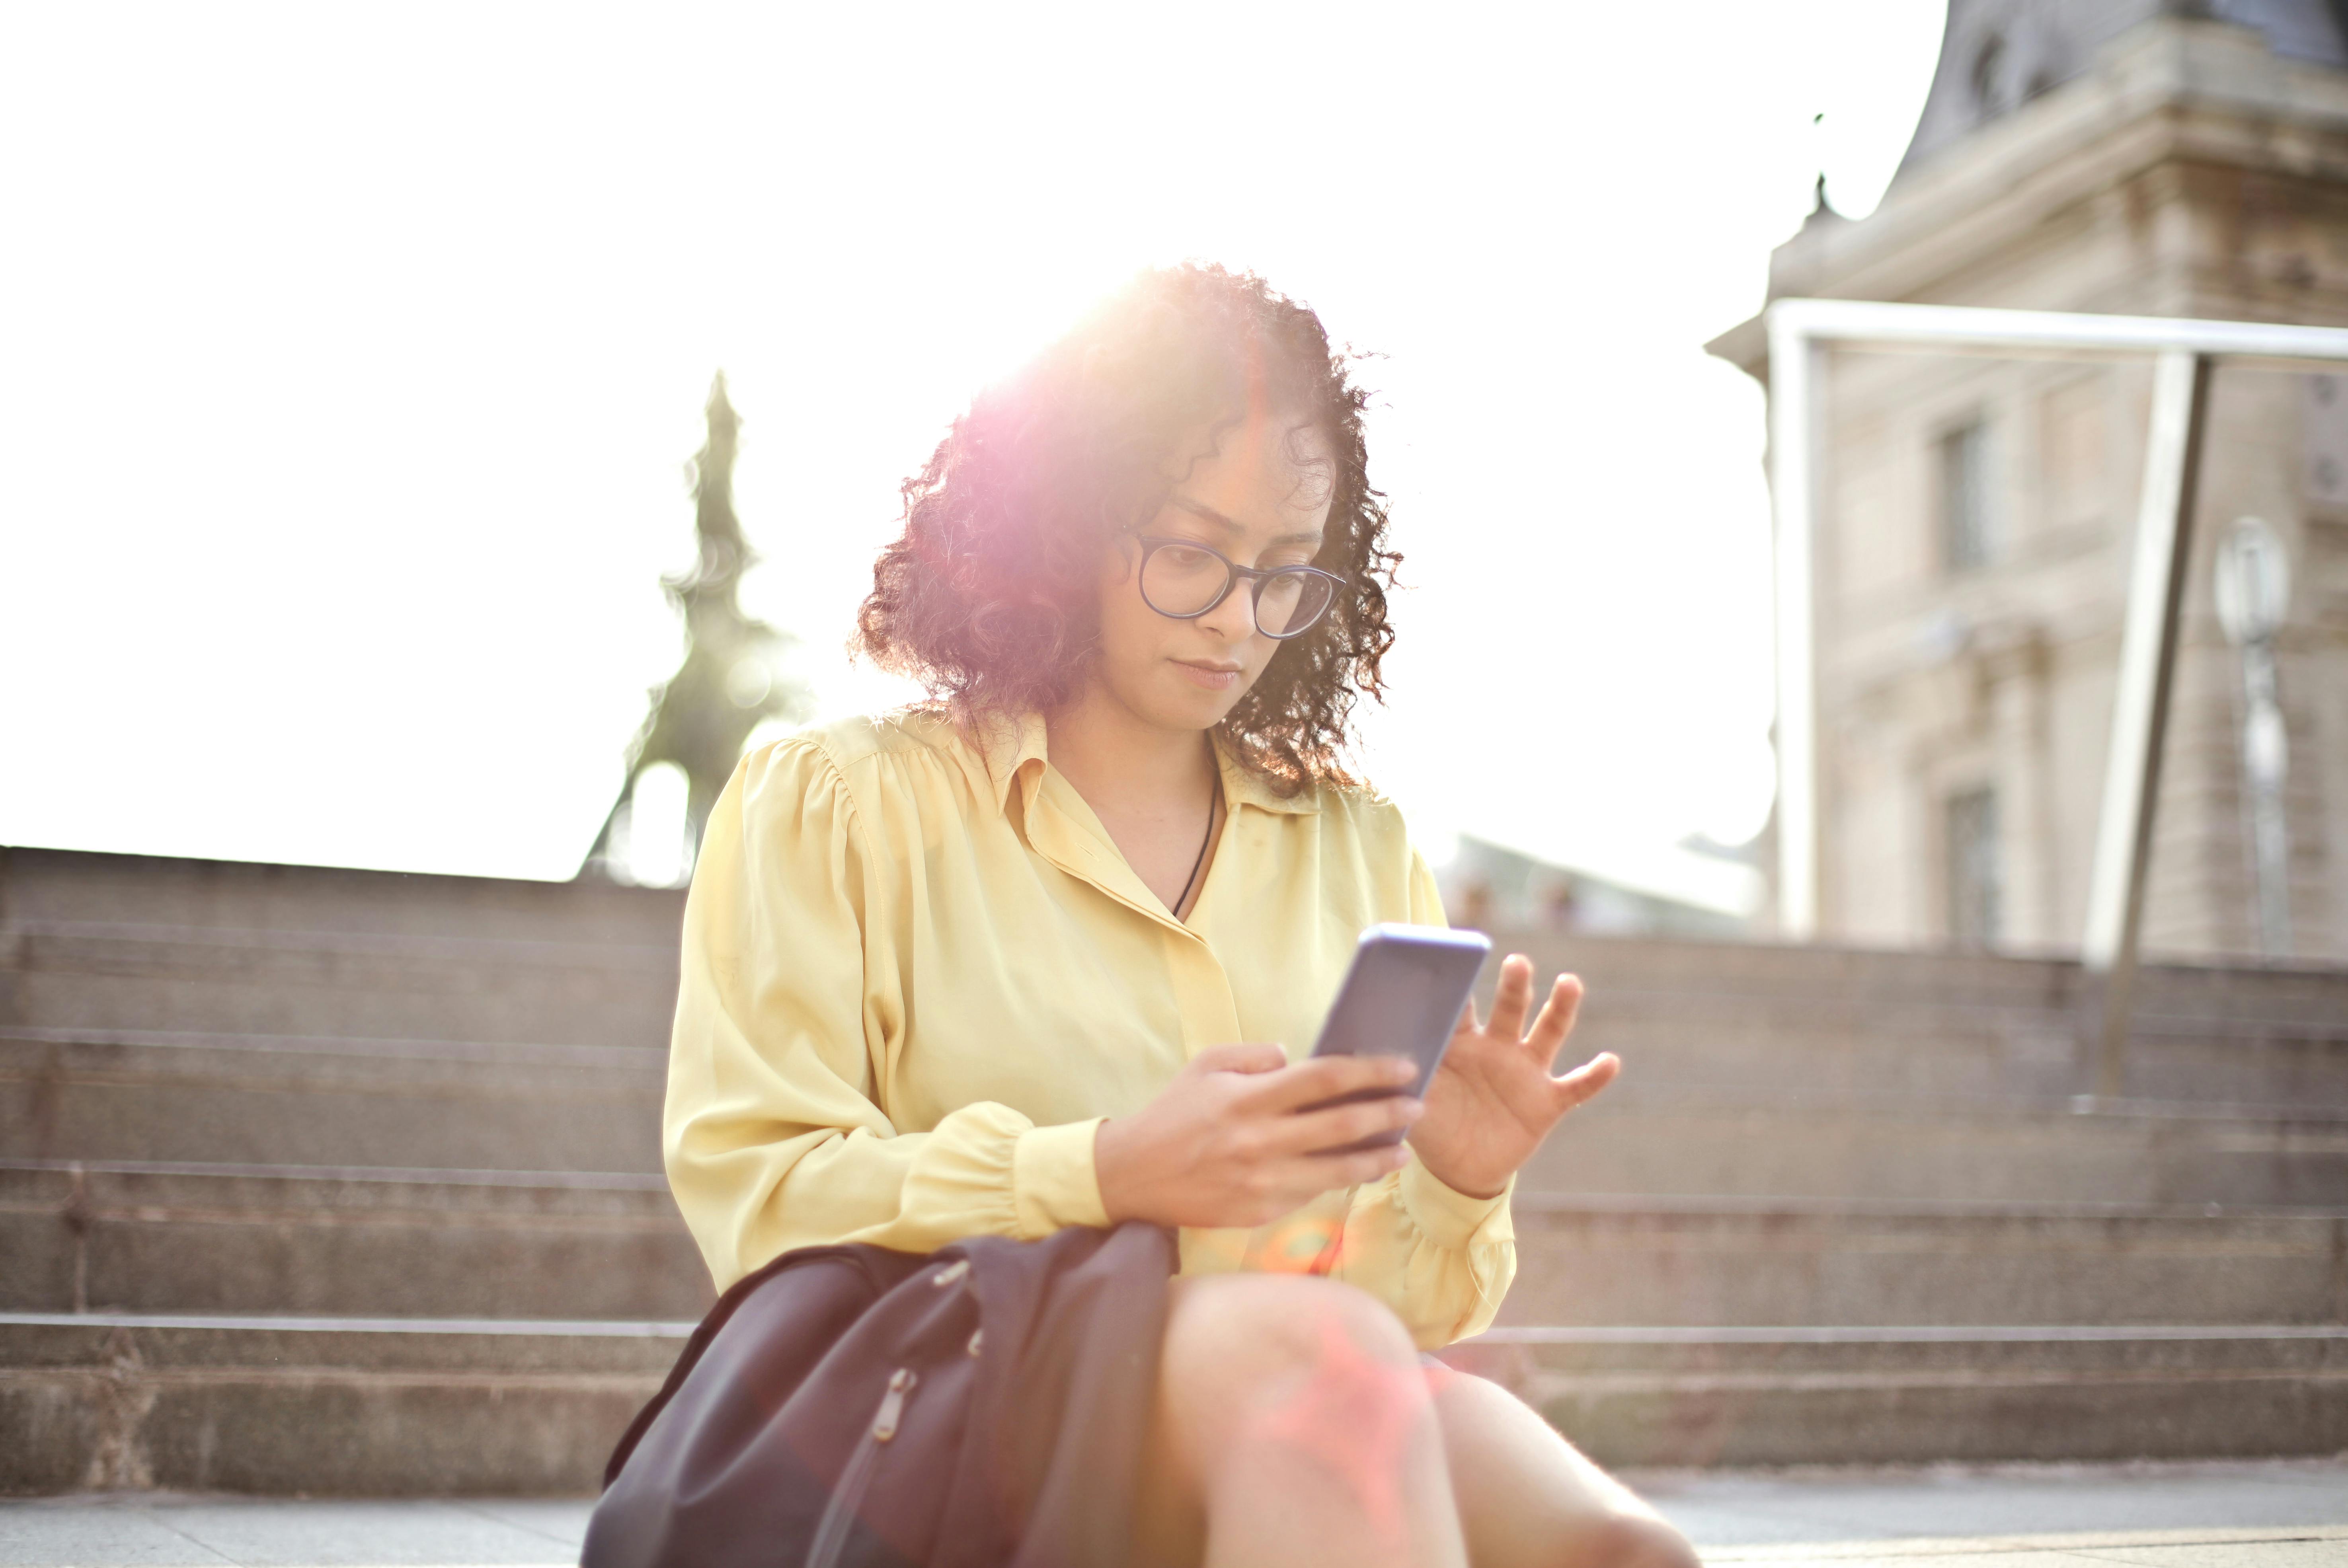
(1493,1101)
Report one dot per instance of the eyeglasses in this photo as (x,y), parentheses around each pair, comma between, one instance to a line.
(1184,578)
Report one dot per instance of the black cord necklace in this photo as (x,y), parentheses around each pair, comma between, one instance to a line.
(1212,802)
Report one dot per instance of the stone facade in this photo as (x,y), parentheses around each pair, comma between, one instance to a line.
(1976,515)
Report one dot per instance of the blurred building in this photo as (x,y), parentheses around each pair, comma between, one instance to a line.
(2134,157)
(1698,889)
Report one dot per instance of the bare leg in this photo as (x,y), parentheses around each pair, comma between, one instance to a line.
(1528,1499)
(1295,1426)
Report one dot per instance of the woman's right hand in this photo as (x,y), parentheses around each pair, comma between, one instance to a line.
(1227,1145)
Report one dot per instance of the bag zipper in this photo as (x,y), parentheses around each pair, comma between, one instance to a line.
(831,1530)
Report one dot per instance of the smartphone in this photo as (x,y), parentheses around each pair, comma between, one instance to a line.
(1402,998)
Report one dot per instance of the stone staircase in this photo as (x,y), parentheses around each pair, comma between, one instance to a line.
(1849,1207)
(344,1182)
(330,1181)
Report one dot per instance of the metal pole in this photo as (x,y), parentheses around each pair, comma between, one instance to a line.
(1971,329)
(1798,332)
(1796,370)
(2164,537)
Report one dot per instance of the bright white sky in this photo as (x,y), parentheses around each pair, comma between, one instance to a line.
(349,358)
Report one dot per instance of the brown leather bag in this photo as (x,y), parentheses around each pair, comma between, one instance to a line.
(849,1407)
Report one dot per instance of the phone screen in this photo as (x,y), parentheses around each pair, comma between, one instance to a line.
(1402,998)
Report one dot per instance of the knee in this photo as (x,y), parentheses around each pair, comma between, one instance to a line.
(1271,1323)
(1633,1540)
(1235,1342)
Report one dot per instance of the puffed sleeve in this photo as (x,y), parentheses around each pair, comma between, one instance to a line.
(789,994)
(1441,1259)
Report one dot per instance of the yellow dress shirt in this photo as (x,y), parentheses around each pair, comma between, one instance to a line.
(918,974)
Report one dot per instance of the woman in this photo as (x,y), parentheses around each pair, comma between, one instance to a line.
(1037,955)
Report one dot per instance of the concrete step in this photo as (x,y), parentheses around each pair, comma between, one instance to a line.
(326,1407)
(1585,1260)
(152,1237)
(148,975)
(38,884)
(87,974)
(1759,1015)
(298,950)
(1926,1396)
(1645,970)
(1639,1139)
(388,1407)
(42,884)
(128,1095)
(1879,1051)
(257,1099)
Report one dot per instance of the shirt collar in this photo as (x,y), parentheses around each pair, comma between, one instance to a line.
(1243,785)
(1012,747)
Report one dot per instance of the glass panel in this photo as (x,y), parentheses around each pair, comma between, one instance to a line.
(1290,602)
(1276,600)
(1181,580)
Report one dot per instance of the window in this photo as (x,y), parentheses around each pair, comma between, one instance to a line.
(1964,497)
(1975,888)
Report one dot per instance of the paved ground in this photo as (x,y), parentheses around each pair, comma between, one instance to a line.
(2267,1514)
(2260,1514)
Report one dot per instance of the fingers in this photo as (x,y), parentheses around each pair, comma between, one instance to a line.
(1332,1170)
(1557,1016)
(1326,1077)
(1512,998)
(1583,1084)
(1257,1058)
(1311,1131)
(1307,1176)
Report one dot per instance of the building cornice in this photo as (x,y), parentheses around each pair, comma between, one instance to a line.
(2170,92)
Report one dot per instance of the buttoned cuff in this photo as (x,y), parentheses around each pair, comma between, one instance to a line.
(1052,1181)
(1450,1218)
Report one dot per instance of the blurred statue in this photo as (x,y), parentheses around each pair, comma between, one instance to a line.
(732,679)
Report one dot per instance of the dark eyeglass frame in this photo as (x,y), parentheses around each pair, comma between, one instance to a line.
(1233,575)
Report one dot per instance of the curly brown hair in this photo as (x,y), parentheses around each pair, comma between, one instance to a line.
(989,596)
